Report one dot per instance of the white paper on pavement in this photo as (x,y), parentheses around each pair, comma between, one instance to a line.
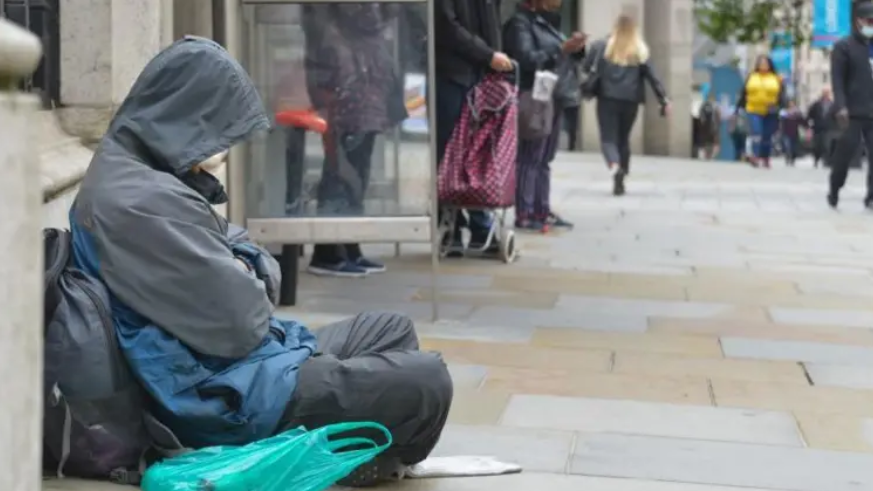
(460,466)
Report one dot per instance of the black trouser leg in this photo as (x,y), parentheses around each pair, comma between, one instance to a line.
(608,123)
(846,148)
(628,116)
(343,187)
(369,368)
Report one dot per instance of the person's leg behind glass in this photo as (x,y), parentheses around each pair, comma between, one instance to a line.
(845,148)
(358,152)
(369,368)
(332,193)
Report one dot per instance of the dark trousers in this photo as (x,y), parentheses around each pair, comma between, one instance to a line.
(451,98)
(571,125)
(819,146)
(847,148)
(369,368)
(739,141)
(791,146)
(344,181)
(616,119)
(534,174)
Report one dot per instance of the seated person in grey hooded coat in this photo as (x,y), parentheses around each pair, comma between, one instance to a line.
(189,290)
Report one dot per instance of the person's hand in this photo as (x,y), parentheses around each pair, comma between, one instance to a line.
(575,43)
(843,117)
(500,62)
(666,109)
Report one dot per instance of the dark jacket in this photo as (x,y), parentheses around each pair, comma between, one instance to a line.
(467,36)
(350,66)
(623,83)
(532,42)
(535,43)
(852,77)
(820,116)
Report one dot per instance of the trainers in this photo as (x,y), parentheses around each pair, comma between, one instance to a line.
(370,266)
(343,269)
(530,226)
(618,184)
(558,222)
(833,200)
(868,203)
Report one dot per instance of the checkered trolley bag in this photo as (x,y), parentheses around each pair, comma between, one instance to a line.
(478,167)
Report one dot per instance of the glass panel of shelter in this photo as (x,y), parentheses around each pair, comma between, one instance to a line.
(346,84)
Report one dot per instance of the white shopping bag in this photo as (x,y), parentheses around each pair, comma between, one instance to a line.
(544,85)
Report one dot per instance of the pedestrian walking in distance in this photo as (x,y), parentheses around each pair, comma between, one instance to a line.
(622,62)
(762,97)
(820,119)
(852,83)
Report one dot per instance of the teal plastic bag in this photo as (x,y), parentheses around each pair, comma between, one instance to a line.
(296,460)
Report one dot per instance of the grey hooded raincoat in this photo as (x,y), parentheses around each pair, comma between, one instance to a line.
(195,326)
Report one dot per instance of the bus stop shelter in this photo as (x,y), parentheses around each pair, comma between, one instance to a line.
(350,158)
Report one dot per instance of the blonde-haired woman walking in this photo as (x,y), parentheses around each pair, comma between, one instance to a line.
(621,63)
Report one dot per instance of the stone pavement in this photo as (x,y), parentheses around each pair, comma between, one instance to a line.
(711,330)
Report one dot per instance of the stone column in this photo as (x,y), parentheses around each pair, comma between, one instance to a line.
(596,18)
(21,269)
(104,46)
(669,31)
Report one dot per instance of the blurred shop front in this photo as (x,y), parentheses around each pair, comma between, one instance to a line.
(349,159)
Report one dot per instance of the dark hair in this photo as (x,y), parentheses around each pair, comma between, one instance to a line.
(769,60)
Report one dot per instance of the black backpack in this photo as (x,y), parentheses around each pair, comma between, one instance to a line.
(93,421)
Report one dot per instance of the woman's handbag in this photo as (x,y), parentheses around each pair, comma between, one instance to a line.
(591,77)
(536,107)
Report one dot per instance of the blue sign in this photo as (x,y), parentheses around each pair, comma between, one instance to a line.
(782,54)
(831,20)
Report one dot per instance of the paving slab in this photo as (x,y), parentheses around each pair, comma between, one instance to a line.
(828,431)
(644,308)
(615,321)
(467,376)
(852,377)
(534,450)
(848,318)
(719,463)
(792,397)
(529,481)
(684,390)
(520,355)
(654,419)
(800,351)
(650,364)
(464,330)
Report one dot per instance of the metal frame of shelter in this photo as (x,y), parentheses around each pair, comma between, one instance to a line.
(296,231)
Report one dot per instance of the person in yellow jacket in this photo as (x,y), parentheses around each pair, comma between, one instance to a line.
(762,97)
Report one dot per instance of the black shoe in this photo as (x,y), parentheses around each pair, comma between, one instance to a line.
(833,200)
(618,184)
(868,203)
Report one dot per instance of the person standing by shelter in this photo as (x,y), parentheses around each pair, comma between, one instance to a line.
(468,44)
(852,80)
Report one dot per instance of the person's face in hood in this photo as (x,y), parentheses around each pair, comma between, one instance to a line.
(214,164)
(189,106)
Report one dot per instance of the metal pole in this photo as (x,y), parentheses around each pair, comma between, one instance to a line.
(21,350)
(435,238)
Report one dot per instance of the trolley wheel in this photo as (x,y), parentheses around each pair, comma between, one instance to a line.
(508,249)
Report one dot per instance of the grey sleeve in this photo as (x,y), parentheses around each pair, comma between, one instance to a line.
(259,259)
(170,261)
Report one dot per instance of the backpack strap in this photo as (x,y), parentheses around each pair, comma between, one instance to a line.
(57,245)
